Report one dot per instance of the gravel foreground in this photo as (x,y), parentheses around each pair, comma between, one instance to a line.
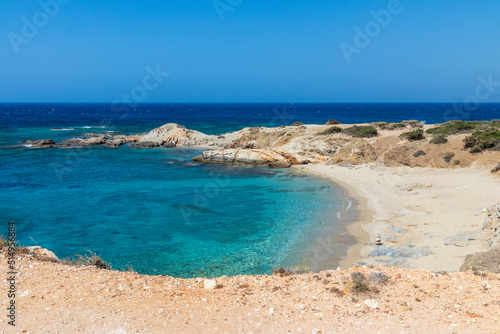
(57,298)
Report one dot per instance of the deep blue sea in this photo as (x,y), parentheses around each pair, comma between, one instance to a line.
(157,211)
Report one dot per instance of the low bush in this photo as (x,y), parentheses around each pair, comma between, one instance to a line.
(361,131)
(439,139)
(332,122)
(448,156)
(457,127)
(456,162)
(413,135)
(483,140)
(419,153)
(297,124)
(332,130)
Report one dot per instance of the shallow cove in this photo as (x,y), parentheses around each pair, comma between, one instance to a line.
(160,213)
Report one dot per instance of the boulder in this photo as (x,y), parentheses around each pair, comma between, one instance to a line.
(489,261)
(113,142)
(279,164)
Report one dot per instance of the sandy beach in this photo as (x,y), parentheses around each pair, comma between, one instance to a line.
(435,211)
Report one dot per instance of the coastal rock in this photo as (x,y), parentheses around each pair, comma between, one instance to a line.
(461,239)
(492,221)
(279,164)
(176,134)
(400,253)
(71,142)
(42,253)
(42,143)
(489,261)
(133,138)
(113,142)
(248,157)
(94,139)
(146,144)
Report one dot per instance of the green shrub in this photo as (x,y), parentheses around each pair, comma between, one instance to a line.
(332,122)
(3,242)
(439,139)
(456,162)
(448,156)
(482,140)
(297,124)
(456,127)
(413,135)
(418,153)
(361,131)
(332,130)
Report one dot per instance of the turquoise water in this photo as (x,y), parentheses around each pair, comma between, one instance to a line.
(160,213)
(157,211)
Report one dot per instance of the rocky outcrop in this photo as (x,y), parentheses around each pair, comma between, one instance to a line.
(146,144)
(175,134)
(115,142)
(41,143)
(489,261)
(250,157)
(42,253)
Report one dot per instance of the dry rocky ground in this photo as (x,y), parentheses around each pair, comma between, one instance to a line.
(57,298)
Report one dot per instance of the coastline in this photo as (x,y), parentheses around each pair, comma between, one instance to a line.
(429,218)
(355,216)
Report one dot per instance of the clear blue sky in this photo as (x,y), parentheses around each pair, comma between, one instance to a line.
(263,51)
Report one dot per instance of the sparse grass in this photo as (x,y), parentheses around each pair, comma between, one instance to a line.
(86,260)
(413,135)
(483,140)
(361,131)
(388,126)
(3,242)
(413,124)
(297,270)
(439,139)
(330,131)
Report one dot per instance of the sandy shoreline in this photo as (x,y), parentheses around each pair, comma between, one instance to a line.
(415,210)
